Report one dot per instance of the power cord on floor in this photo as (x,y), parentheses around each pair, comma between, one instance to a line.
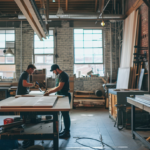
(94,140)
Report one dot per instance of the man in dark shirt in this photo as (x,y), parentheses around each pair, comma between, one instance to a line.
(62,88)
(23,88)
(23,84)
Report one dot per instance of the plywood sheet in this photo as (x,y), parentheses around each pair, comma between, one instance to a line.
(123,78)
(28,102)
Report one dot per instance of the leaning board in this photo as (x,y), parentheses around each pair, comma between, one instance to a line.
(28,102)
(123,78)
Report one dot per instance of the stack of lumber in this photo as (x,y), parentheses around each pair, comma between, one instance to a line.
(88,99)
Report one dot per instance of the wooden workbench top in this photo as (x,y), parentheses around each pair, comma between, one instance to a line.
(62,104)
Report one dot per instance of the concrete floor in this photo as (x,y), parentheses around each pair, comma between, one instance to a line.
(92,123)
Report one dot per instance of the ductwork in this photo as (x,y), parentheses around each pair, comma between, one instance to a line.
(81,16)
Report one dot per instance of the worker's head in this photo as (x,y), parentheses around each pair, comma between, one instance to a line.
(31,68)
(55,69)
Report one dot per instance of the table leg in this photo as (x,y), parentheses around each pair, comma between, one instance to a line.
(56,131)
(133,120)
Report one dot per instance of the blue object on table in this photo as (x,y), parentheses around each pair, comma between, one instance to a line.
(8,144)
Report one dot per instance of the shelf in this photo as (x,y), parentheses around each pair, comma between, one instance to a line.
(88,96)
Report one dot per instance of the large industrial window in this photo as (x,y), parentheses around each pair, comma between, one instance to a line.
(88,51)
(44,52)
(7,60)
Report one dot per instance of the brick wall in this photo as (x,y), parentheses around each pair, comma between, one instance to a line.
(27,48)
(65,52)
(66,62)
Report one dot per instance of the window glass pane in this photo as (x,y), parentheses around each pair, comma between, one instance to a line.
(50,38)
(98,59)
(2,37)
(1,52)
(97,37)
(87,43)
(49,59)
(50,32)
(97,43)
(87,31)
(88,59)
(39,59)
(36,38)
(38,44)
(78,43)
(10,31)
(88,51)
(10,44)
(79,59)
(78,37)
(2,44)
(48,44)
(78,30)
(38,51)
(85,68)
(9,60)
(10,37)
(97,51)
(87,37)
(97,31)
(2,31)
(79,51)
(49,51)
(2,60)
(7,71)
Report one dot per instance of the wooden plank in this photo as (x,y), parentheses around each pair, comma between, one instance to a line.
(84,92)
(26,102)
(136,5)
(147,108)
(88,96)
(28,16)
(62,104)
(141,106)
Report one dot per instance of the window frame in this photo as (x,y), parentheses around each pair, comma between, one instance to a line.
(7,48)
(84,28)
(45,53)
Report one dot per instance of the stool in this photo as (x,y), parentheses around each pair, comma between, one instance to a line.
(120,109)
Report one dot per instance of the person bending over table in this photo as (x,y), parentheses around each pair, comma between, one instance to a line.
(62,88)
(23,84)
(23,88)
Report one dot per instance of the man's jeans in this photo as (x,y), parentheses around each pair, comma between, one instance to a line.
(66,116)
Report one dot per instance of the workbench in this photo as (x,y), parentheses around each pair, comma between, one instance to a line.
(142,105)
(62,104)
(118,97)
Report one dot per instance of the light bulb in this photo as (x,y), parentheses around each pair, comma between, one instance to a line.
(102,23)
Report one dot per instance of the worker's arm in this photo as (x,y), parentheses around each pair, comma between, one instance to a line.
(26,84)
(53,90)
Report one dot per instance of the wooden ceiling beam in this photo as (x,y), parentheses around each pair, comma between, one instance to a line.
(34,17)
(66,5)
(28,16)
(135,6)
(47,9)
(95,5)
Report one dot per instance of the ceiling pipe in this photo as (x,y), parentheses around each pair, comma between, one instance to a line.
(81,17)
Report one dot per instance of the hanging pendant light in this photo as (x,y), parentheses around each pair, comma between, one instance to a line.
(102,23)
